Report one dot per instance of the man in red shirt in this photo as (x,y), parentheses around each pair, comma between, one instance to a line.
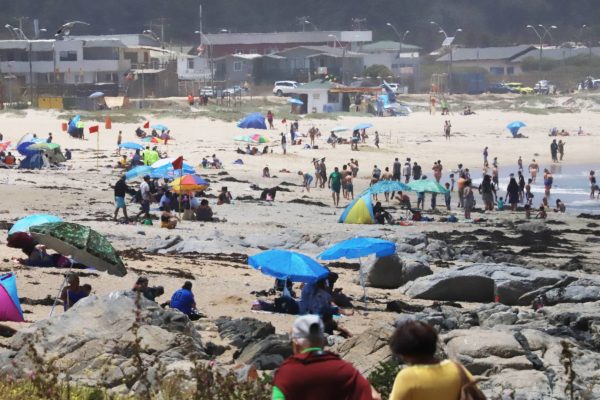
(314,374)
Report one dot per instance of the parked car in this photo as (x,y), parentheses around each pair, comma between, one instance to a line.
(233,90)
(393,86)
(208,91)
(517,87)
(544,87)
(498,88)
(284,88)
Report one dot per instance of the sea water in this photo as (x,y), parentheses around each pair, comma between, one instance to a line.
(571,185)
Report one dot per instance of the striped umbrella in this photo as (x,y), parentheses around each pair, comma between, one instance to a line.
(189,184)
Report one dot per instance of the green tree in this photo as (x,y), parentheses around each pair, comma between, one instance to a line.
(378,70)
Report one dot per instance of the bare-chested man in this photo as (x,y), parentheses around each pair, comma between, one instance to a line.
(533,170)
(386,176)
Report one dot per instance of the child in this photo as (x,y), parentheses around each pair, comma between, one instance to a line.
(452,183)
(541,213)
(421,200)
(527,211)
(447,196)
(500,204)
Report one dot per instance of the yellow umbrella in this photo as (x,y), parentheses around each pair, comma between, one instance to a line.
(188,184)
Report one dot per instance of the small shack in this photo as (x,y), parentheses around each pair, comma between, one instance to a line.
(318,97)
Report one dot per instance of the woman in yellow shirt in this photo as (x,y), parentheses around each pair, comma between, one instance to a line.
(426,378)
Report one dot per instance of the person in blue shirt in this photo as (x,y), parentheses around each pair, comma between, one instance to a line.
(183,300)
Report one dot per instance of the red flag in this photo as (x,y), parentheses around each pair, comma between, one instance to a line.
(178,163)
(94,129)
(147,125)
(64,126)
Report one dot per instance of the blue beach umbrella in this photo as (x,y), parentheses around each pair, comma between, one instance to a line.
(295,101)
(24,224)
(288,265)
(363,125)
(253,121)
(387,187)
(131,146)
(160,127)
(514,127)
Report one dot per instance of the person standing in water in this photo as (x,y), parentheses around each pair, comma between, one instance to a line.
(533,170)
(561,149)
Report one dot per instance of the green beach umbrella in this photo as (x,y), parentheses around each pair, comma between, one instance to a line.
(82,243)
(427,186)
(43,146)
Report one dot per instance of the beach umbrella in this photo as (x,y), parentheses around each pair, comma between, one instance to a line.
(295,101)
(4,146)
(243,138)
(160,127)
(82,243)
(288,265)
(95,95)
(131,146)
(10,306)
(427,186)
(514,127)
(24,224)
(138,171)
(363,125)
(253,121)
(387,187)
(28,138)
(153,139)
(189,184)
(43,146)
(359,211)
(339,129)
(168,162)
(357,248)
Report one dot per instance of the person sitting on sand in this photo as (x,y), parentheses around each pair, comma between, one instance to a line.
(140,133)
(183,300)
(542,212)
(10,159)
(560,206)
(332,140)
(168,219)
(204,212)
(123,163)
(73,292)
(381,216)
(216,163)
(224,197)
(404,200)
(331,326)
(266,173)
(150,293)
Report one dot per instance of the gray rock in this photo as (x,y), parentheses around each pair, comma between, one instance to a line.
(243,331)
(162,244)
(385,273)
(438,249)
(366,350)
(533,226)
(268,353)
(96,335)
(580,291)
(413,269)
(481,283)
(405,248)
(415,239)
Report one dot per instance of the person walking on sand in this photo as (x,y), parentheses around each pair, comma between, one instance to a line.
(119,140)
(323,169)
(121,190)
(485,154)
(407,171)
(376,139)
(386,176)
(306,180)
(520,163)
(447,129)
(313,373)
(469,198)
(554,151)
(270,117)
(396,169)
(533,170)
(335,184)
(284,142)
(318,177)
(561,149)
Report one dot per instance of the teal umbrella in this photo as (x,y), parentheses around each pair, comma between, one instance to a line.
(284,264)
(427,186)
(27,222)
(387,187)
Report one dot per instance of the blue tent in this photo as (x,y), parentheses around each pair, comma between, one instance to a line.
(514,127)
(10,306)
(253,121)
(73,125)
(33,161)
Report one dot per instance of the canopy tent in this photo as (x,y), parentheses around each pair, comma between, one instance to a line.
(253,121)
(10,306)
(359,211)
(27,222)
(82,243)
(288,265)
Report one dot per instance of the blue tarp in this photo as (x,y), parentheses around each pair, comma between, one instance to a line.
(253,121)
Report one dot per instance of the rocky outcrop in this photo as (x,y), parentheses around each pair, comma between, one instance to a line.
(481,283)
(394,271)
(94,343)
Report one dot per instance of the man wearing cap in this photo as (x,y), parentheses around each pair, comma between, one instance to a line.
(315,374)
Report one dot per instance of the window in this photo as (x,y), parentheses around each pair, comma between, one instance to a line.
(333,97)
(237,66)
(100,53)
(131,56)
(497,71)
(190,63)
(68,56)
(41,56)
(510,70)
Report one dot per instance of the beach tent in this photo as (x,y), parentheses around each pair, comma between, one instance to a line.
(360,211)
(10,306)
(253,121)
(514,127)
(33,161)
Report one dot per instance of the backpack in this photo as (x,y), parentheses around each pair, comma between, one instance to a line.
(468,389)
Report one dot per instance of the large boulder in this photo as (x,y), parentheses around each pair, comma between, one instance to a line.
(481,283)
(241,332)
(393,271)
(98,341)
(366,350)
(268,353)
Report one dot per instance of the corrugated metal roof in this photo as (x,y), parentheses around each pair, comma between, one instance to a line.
(288,37)
(559,53)
(332,51)
(318,84)
(486,53)
(36,45)
(387,46)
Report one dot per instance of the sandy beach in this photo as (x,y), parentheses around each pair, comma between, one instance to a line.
(82,193)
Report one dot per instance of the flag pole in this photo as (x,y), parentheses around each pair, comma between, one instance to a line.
(97,148)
